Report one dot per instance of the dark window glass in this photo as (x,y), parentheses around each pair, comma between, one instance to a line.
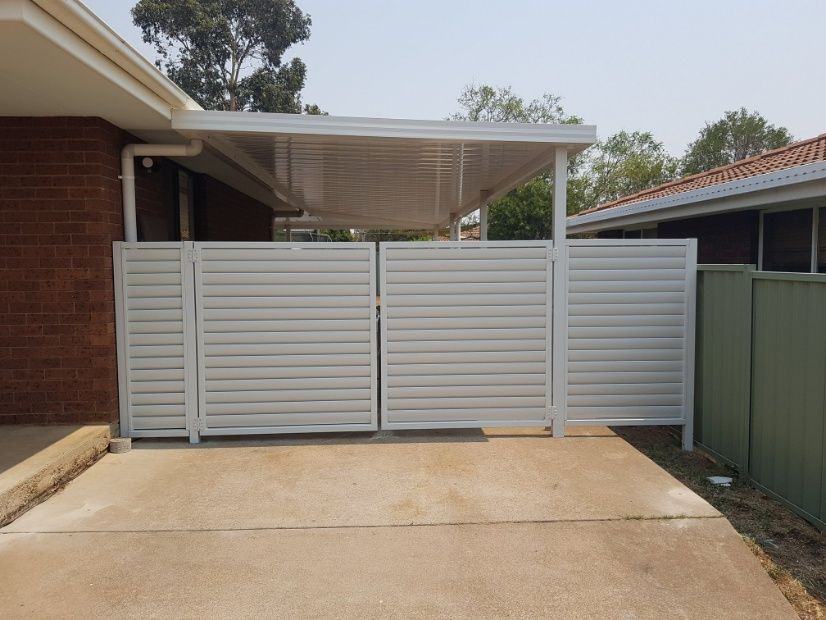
(633,234)
(821,241)
(649,233)
(787,241)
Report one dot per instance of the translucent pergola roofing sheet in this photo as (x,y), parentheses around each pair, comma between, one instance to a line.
(382,173)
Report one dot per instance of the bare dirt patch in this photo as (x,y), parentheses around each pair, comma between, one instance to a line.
(792,551)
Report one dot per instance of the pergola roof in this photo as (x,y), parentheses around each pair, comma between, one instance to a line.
(382,173)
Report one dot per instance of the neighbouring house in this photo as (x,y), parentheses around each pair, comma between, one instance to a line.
(768,210)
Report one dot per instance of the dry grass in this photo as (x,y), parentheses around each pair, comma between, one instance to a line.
(792,551)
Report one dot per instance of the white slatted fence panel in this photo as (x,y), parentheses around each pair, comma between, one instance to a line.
(465,334)
(630,331)
(288,337)
(155,324)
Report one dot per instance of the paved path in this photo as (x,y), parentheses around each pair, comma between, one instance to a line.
(465,524)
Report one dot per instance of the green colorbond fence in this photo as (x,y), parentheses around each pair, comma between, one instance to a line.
(761,379)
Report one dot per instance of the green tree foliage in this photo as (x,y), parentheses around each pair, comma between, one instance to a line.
(227,54)
(622,164)
(338,235)
(738,135)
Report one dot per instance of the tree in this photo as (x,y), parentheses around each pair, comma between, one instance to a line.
(227,54)
(500,105)
(525,212)
(622,164)
(738,135)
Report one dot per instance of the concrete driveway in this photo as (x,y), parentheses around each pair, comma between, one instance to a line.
(460,524)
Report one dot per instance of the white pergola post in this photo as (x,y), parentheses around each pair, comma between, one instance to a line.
(483,218)
(455,227)
(559,365)
(435,233)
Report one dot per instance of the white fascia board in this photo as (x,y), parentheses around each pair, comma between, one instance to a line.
(577,137)
(76,17)
(703,201)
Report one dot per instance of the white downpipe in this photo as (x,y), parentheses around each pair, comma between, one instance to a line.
(127,175)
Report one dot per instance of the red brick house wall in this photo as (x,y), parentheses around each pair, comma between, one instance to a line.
(224,214)
(60,211)
(727,238)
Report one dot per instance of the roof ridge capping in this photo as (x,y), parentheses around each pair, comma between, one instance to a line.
(640,196)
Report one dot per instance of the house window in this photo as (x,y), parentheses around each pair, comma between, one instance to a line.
(821,240)
(787,240)
(640,233)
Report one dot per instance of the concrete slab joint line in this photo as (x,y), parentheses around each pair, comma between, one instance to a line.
(489,523)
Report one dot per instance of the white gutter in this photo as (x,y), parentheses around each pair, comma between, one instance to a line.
(127,167)
(658,209)
(90,28)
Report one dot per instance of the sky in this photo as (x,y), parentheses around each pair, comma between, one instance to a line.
(667,67)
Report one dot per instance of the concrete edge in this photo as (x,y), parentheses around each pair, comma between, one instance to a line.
(67,464)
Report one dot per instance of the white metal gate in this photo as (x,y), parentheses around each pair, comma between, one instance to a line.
(240,338)
(466,334)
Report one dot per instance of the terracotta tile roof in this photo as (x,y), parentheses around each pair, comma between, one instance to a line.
(797,154)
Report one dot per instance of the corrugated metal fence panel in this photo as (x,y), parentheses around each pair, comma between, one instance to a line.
(722,379)
(630,313)
(157,394)
(465,334)
(287,335)
(788,418)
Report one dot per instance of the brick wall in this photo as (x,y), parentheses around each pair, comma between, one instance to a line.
(727,238)
(224,214)
(59,213)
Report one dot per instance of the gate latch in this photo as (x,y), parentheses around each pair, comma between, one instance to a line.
(553,254)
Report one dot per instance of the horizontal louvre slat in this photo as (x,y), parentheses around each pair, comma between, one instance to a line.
(613,251)
(255,298)
(472,414)
(303,406)
(284,396)
(469,288)
(158,423)
(296,337)
(625,275)
(267,420)
(648,286)
(639,412)
(646,355)
(273,312)
(489,299)
(453,323)
(639,300)
(465,380)
(137,256)
(621,389)
(626,320)
(464,357)
(628,331)
(310,383)
(625,366)
(407,312)
(467,334)
(287,256)
(286,349)
(625,343)
(509,402)
(285,325)
(478,368)
(460,391)
(302,281)
(478,253)
(459,265)
(234,289)
(434,277)
(346,359)
(285,372)
(423,346)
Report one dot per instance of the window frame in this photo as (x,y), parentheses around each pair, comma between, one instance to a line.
(813,243)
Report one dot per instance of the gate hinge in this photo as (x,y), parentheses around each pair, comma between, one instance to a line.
(193,255)
(197,424)
(553,412)
(553,254)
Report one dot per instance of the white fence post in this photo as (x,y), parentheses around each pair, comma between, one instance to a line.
(559,365)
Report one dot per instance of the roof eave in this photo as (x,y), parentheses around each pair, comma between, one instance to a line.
(712,199)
